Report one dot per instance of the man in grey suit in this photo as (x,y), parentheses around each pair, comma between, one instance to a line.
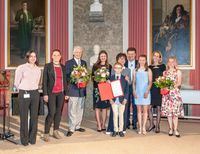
(76,95)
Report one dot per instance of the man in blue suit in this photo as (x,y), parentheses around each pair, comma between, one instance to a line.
(76,95)
(131,63)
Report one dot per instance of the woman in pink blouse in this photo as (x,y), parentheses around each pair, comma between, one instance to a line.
(27,78)
(54,90)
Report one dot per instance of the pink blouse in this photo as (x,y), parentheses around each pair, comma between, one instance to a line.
(27,77)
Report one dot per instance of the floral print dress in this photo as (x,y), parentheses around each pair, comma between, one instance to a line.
(172,104)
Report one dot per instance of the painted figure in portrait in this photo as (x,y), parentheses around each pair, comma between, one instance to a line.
(172,38)
(25,26)
(26,30)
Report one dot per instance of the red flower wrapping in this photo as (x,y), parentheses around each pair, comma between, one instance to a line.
(164,91)
(81,84)
(101,82)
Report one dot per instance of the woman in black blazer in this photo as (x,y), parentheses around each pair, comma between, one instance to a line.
(54,91)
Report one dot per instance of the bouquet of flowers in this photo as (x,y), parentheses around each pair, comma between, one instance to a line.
(101,74)
(165,84)
(80,76)
(4,79)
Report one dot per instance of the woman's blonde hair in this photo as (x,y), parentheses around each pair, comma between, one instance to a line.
(175,60)
(160,56)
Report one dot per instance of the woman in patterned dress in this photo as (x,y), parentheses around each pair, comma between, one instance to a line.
(172,105)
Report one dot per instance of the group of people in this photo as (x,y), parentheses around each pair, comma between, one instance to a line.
(137,82)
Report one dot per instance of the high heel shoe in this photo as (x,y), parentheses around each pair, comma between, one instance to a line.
(157,130)
(140,131)
(170,132)
(99,129)
(151,128)
(103,128)
(177,133)
(144,132)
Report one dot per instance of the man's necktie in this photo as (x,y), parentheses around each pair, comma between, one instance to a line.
(79,62)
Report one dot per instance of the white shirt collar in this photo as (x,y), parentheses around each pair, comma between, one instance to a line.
(77,60)
(133,61)
(119,75)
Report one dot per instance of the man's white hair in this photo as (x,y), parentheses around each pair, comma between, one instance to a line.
(77,47)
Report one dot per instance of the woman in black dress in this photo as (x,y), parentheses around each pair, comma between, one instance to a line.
(100,106)
(156,98)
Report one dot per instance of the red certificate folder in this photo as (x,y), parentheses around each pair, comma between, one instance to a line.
(105,91)
(111,90)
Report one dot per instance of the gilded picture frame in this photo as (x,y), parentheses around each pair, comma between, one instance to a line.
(172,30)
(27,29)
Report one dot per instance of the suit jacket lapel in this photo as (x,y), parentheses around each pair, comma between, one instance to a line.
(112,77)
(74,63)
(52,71)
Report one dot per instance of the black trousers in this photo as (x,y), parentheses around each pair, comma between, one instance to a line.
(131,100)
(28,134)
(55,105)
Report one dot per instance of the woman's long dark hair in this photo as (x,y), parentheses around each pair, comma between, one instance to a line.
(174,15)
(98,63)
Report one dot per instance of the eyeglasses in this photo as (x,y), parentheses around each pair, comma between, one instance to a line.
(118,67)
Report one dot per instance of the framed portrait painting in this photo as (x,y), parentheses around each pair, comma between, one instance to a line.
(171,30)
(26,30)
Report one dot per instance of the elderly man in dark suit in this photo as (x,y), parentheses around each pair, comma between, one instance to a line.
(131,63)
(76,95)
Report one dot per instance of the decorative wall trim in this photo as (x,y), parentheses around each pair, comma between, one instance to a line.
(5,34)
(192,67)
(125,24)
(49,30)
(70,28)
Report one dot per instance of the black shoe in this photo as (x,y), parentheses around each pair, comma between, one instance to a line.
(128,127)
(24,144)
(69,133)
(177,134)
(32,143)
(121,134)
(151,128)
(80,130)
(114,134)
(157,130)
(103,129)
(134,126)
(99,130)
(170,132)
